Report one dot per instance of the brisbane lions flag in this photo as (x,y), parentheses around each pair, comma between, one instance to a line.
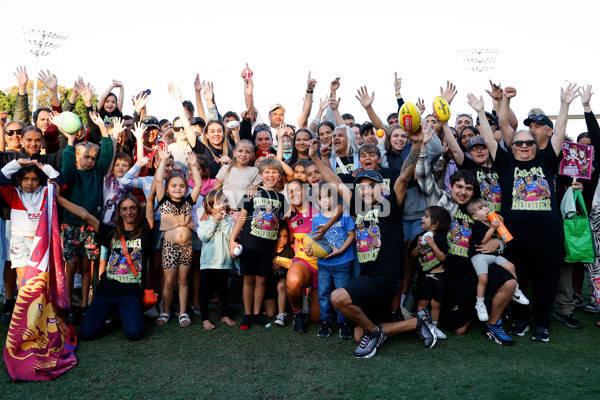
(40,345)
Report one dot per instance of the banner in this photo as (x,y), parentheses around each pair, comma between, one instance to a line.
(577,160)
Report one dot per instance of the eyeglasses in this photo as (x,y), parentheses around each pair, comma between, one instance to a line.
(177,128)
(522,143)
(11,132)
(464,115)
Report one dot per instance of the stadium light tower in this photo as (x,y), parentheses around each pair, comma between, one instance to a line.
(479,60)
(40,43)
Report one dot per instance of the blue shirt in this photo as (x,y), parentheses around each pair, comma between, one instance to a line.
(336,236)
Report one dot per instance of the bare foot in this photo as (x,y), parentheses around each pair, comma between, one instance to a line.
(228,321)
(208,325)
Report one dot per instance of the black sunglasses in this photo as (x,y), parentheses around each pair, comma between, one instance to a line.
(527,143)
(177,128)
(11,132)
(262,128)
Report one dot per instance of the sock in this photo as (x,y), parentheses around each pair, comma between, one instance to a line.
(402,299)
(480,300)
(434,323)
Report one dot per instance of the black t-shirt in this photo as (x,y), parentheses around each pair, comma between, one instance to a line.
(262,224)
(379,237)
(118,279)
(426,257)
(479,231)
(286,252)
(348,162)
(457,261)
(529,207)
(489,183)
(389,176)
(210,152)
(107,117)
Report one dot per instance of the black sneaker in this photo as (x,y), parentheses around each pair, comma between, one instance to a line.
(369,343)
(519,327)
(299,324)
(345,331)
(497,334)
(578,300)
(5,318)
(541,334)
(246,322)
(325,330)
(569,320)
(397,315)
(424,329)
(260,319)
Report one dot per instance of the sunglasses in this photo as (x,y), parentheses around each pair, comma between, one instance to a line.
(11,132)
(262,128)
(524,143)
(177,128)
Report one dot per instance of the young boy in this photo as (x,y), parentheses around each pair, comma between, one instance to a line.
(83,169)
(483,231)
(259,216)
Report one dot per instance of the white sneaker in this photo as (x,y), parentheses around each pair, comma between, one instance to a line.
(439,334)
(406,313)
(519,297)
(280,319)
(482,312)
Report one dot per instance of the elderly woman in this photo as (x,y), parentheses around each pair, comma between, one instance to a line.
(530,209)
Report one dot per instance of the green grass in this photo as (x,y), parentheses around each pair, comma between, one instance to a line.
(276,363)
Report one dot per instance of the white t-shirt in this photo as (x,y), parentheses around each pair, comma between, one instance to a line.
(236,182)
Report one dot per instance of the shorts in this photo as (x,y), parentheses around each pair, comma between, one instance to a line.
(365,291)
(175,255)
(430,286)
(78,241)
(20,249)
(104,253)
(481,262)
(314,272)
(196,242)
(158,236)
(411,229)
(271,288)
(254,263)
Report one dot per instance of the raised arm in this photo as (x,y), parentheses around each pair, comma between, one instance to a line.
(457,153)
(449,92)
(335,107)
(314,124)
(408,167)
(367,102)
(590,119)
(308,100)
(484,125)
(504,118)
(22,113)
(327,173)
(51,83)
(159,176)
(192,161)
(424,175)
(175,92)
(496,94)
(560,129)
(198,92)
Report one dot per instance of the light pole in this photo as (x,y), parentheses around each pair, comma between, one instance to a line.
(479,60)
(40,44)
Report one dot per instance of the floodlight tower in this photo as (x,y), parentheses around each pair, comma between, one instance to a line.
(40,44)
(479,60)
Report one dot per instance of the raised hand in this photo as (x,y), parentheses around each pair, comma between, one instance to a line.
(364,98)
(425,134)
(248,87)
(117,127)
(496,92)
(207,91)
(449,92)
(174,91)
(421,105)
(225,159)
(138,131)
(21,76)
(397,84)
(313,147)
(310,83)
(140,102)
(191,159)
(164,154)
(95,117)
(333,103)
(87,93)
(3,117)
(197,83)
(510,92)
(78,86)
(281,131)
(476,103)
(335,84)
(117,83)
(325,150)
(49,79)
(244,72)
(586,95)
(570,93)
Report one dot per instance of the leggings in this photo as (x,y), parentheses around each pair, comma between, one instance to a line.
(212,280)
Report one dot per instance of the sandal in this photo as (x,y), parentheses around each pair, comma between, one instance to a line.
(163,319)
(184,320)
(196,310)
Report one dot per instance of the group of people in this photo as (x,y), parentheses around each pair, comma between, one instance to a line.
(331,218)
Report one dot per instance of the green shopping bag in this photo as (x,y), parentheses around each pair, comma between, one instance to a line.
(579,244)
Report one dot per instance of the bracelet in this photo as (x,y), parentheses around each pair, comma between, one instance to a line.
(310,91)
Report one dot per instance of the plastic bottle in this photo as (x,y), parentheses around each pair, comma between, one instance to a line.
(502,231)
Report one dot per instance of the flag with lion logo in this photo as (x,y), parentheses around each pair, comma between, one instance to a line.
(40,345)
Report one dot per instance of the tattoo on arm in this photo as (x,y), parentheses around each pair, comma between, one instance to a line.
(412,158)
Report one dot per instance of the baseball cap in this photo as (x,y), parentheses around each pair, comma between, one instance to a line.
(476,140)
(540,119)
(150,121)
(535,111)
(197,121)
(368,174)
(365,126)
(261,153)
(275,107)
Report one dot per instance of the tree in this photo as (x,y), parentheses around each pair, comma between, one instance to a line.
(7,104)
(79,109)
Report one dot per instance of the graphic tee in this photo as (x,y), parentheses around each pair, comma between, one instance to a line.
(336,236)
(426,257)
(262,225)
(301,224)
(461,230)
(489,183)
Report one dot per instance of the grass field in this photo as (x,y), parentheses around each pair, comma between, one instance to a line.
(277,363)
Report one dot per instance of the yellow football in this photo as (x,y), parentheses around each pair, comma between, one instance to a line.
(409,117)
(441,109)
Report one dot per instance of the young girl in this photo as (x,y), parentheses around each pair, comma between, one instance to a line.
(430,248)
(109,106)
(215,262)
(275,297)
(483,231)
(26,202)
(300,170)
(176,222)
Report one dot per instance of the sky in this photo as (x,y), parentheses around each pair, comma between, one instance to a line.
(542,45)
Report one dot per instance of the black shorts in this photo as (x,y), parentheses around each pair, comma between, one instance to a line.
(430,286)
(460,292)
(254,263)
(365,291)
(497,276)
(271,288)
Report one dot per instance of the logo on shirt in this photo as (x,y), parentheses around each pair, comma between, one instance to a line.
(460,234)
(368,236)
(530,190)
(490,189)
(265,222)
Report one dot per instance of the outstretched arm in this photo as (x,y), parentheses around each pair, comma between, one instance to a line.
(198,92)
(505,127)
(408,167)
(484,125)
(51,83)
(77,210)
(308,100)
(175,92)
(192,161)
(159,176)
(560,129)
(367,102)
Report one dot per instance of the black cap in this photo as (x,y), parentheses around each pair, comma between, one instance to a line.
(197,121)
(150,121)
(368,174)
(365,126)
(490,117)
(540,119)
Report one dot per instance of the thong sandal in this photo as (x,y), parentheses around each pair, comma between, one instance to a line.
(163,319)
(184,320)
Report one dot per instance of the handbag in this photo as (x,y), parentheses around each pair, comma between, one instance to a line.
(149,298)
(579,244)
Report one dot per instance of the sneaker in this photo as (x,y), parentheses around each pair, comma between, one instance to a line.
(152,312)
(369,343)
(569,320)
(482,313)
(519,328)
(280,319)
(578,300)
(541,334)
(5,318)
(424,329)
(246,322)
(299,324)
(260,319)
(592,308)
(497,334)
(439,333)
(325,330)
(519,297)
(345,331)
(397,315)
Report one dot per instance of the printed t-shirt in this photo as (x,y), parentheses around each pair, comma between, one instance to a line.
(457,261)
(235,182)
(262,224)
(336,236)
(489,183)
(347,162)
(300,224)
(426,257)
(389,176)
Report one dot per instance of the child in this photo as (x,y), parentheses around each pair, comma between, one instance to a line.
(275,297)
(286,143)
(215,262)
(431,256)
(334,270)
(109,106)
(176,223)
(300,170)
(259,217)
(483,231)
